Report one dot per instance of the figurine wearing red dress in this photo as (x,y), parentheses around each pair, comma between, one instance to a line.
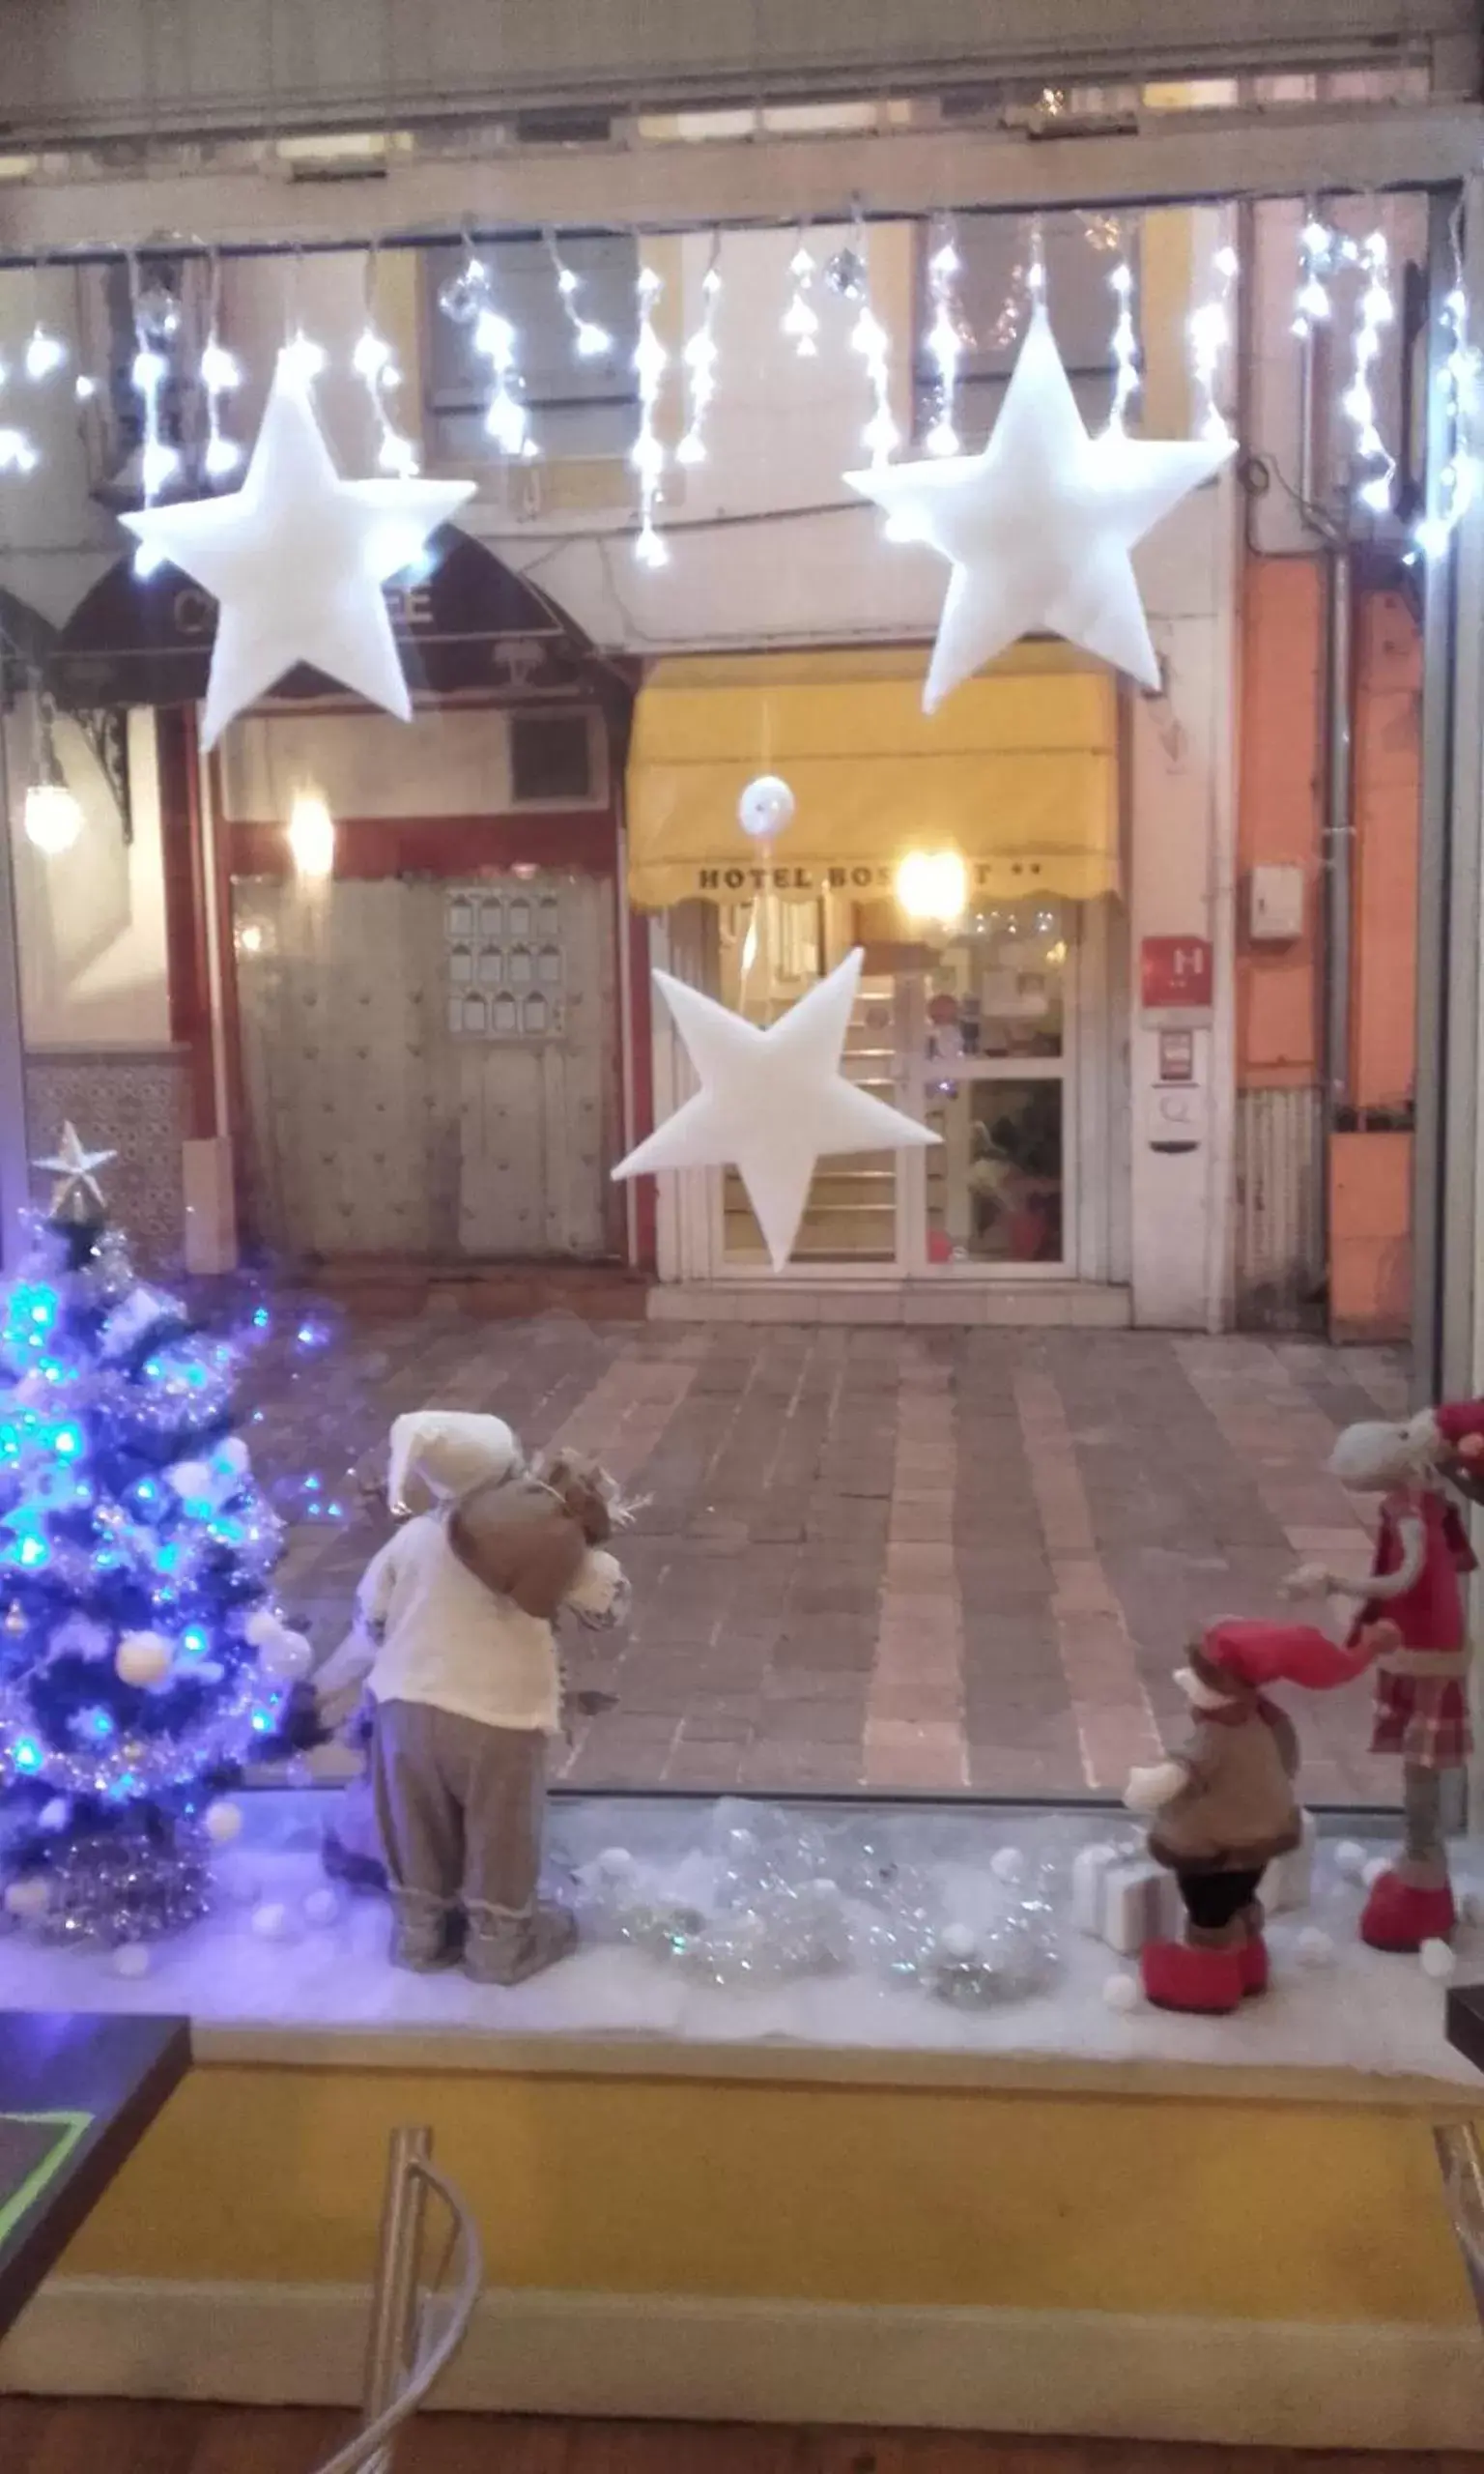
(1419,1580)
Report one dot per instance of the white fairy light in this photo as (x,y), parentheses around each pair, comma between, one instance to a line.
(1457,485)
(306,359)
(699,358)
(220,375)
(945,341)
(1374,312)
(45,352)
(375,364)
(1312,305)
(84,388)
(801,319)
(650,362)
(1125,349)
(506,420)
(17,452)
(1209,330)
(592,340)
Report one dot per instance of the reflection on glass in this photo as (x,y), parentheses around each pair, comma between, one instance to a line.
(995,1184)
(997,987)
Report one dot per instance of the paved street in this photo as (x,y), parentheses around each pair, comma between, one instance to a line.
(878,1559)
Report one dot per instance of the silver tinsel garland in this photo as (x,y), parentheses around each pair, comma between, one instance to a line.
(126,1885)
(776,1896)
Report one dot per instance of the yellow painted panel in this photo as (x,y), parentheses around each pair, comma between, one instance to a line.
(1017,772)
(857,2195)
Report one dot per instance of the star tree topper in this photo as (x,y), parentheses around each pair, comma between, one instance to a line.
(774,1100)
(297,560)
(1038,529)
(75,1172)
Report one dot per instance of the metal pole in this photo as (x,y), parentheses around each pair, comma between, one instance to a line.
(1434,837)
(1340,843)
(394,2299)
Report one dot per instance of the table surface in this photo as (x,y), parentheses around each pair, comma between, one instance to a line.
(119,2072)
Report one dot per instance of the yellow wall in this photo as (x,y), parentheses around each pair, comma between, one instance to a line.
(863,2195)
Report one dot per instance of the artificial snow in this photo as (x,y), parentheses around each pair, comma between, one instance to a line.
(319,1972)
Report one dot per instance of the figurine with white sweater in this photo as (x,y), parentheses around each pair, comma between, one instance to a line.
(1417,1580)
(455,1617)
(1223,1806)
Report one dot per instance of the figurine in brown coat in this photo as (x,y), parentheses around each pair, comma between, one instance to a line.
(1223,1806)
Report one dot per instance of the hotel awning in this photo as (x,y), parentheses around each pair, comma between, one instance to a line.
(1017,772)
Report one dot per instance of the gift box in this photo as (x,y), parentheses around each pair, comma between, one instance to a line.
(1123,1899)
(1289,1881)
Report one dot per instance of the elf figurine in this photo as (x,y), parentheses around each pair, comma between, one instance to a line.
(1223,1806)
(1419,1571)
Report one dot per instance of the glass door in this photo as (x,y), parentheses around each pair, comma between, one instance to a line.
(988,1065)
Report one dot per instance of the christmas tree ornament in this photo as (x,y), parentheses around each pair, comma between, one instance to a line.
(766,806)
(297,560)
(77,1192)
(774,1102)
(143,1660)
(844,272)
(222,1821)
(1038,529)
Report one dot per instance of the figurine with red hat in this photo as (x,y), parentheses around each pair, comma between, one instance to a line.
(1223,1806)
(1421,1559)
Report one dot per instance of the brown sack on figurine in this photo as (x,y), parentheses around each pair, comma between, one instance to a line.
(526,1537)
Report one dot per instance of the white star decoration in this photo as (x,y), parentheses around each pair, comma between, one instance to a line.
(774,1102)
(75,1168)
(297,560)
(1039,526)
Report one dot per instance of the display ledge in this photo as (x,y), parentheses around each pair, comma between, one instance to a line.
(275,1978)
(871,1296)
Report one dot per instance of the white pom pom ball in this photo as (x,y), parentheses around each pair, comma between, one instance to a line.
(1315,1950)
(286,1656)
(143,1660)
(1008,1864)
(260,1626)
(130,1959)
(1438,1961)
(615,1863)
(222,1821)
(765,807)
(270,1920)
(1374,1870)
(320,1907)
(1122,1993)
(31,1896)
(956,1942)
(1350,1860)
(233,1455)
(191,1481)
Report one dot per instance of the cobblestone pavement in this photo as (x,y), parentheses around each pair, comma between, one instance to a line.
(933,1561)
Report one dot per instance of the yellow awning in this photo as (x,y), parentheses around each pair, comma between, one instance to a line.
(1017,772)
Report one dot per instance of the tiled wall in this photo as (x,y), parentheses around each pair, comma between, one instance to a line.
(131,1101)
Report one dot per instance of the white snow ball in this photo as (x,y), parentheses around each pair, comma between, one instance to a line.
(1008,1864)
(615,1863)
(1438,1961)
(130,1959)
(191,1481)
(1374,1870)
(286,1657)
(270,1920)
(1350,1860)
(262,1625)
(222,1821)
(320,1907)
(143,1660)
(1123,1992)
(1315,1948)
(956,1941)
(233,1455)
(29,1896)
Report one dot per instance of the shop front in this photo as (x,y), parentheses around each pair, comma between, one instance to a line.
(974,857)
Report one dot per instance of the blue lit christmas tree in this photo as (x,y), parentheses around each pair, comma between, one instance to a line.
(141,1656)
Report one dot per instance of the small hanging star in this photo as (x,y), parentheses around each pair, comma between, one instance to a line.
(74,1169)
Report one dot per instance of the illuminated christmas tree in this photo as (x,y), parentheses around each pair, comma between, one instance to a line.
(141,1656)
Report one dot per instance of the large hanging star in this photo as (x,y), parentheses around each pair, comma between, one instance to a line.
(1039,526)
(774,1102)
(75,1169)
(296,559)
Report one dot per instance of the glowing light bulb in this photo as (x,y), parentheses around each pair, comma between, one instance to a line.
(53,818)
(933,886)
(44,353)
(311,835)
